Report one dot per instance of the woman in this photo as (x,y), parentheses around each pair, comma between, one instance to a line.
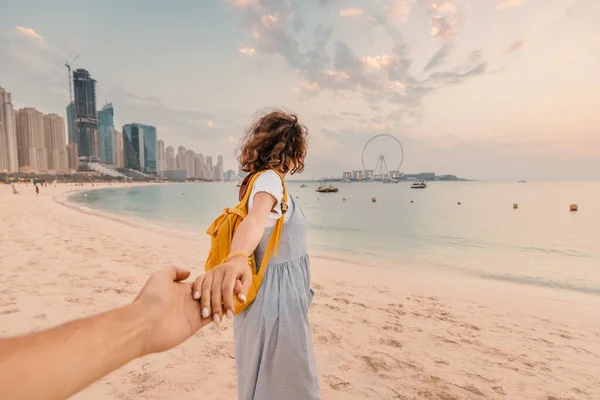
(274,350)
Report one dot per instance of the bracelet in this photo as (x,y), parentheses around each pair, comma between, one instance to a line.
(234,255)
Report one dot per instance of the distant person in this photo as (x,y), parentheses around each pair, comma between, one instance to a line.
(37,190)
(274,350)
(57,363)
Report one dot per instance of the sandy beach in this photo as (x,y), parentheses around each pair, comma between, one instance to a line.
(379,333)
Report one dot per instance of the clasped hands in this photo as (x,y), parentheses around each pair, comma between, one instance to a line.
(176,309)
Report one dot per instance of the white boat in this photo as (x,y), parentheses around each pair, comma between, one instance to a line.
(387,179)
(327,189)
(420,184)
(347,180)
(303,185)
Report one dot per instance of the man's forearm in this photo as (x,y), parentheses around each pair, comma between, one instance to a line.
(57,363)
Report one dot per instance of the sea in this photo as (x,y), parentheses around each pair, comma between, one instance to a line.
(467,228)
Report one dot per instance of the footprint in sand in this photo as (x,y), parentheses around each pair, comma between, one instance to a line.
(337,384)
(391,343)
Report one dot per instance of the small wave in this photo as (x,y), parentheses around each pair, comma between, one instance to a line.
(474,243)
(528,280)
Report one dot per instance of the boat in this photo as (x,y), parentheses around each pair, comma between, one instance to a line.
(420,184)
(303,185)
(522,181)
(239,184)
(347,180)
(327,189)
(387,179)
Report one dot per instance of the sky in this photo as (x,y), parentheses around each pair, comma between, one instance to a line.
(484,89)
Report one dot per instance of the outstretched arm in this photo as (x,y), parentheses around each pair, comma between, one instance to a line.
(59,362)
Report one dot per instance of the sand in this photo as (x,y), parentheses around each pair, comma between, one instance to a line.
(378,333)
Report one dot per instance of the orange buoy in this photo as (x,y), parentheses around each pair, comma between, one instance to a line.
(459,203)
(573,207)
(374,200)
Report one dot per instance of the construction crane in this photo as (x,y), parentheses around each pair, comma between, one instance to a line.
(72,130)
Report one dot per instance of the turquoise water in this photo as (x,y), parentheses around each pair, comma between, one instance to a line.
(541,243)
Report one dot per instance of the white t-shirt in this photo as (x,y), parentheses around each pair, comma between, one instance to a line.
(270,182)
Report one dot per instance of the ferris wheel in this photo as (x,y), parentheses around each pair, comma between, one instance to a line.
(377,152)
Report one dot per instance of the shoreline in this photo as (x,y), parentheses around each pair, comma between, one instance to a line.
(431,270)
(378,333)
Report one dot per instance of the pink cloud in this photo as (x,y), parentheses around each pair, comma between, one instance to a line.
(249,51)
(352,12)
(242,3)
(516,46)
(29,33)
(503,4)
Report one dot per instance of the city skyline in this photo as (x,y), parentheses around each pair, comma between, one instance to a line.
(34,142)
(502,89)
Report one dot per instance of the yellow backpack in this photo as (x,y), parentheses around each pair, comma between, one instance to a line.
(221,233)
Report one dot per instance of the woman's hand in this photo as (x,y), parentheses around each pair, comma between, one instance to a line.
(217,288)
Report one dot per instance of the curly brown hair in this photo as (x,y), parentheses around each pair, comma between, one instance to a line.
(275,140)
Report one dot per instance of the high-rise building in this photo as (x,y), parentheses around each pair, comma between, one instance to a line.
(230,175)
(160,149)
(31,147)
(210,173)
(56,143)
(171,162)
(181,157)
(219,175)
(71,124)
(139,148)
(190,163)
(241,173)
(199,164)
(73,156)
(150,150)
(9,158)
(133,147)
(106,134)
(118,157)
(86,119)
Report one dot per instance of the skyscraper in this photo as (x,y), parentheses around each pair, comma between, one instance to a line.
(160,149)
(200,166)
(139,148)
(71,124)
(171,162)
(150,150)
(181,158)
(31,147)
(210,173)
(55,142)
(8,135)
(133,147)
(73,156)
(106,133)
(190,163)
(219,175)
(86,135)
(119,158)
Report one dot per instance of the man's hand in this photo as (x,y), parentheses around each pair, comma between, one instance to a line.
(173,314)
